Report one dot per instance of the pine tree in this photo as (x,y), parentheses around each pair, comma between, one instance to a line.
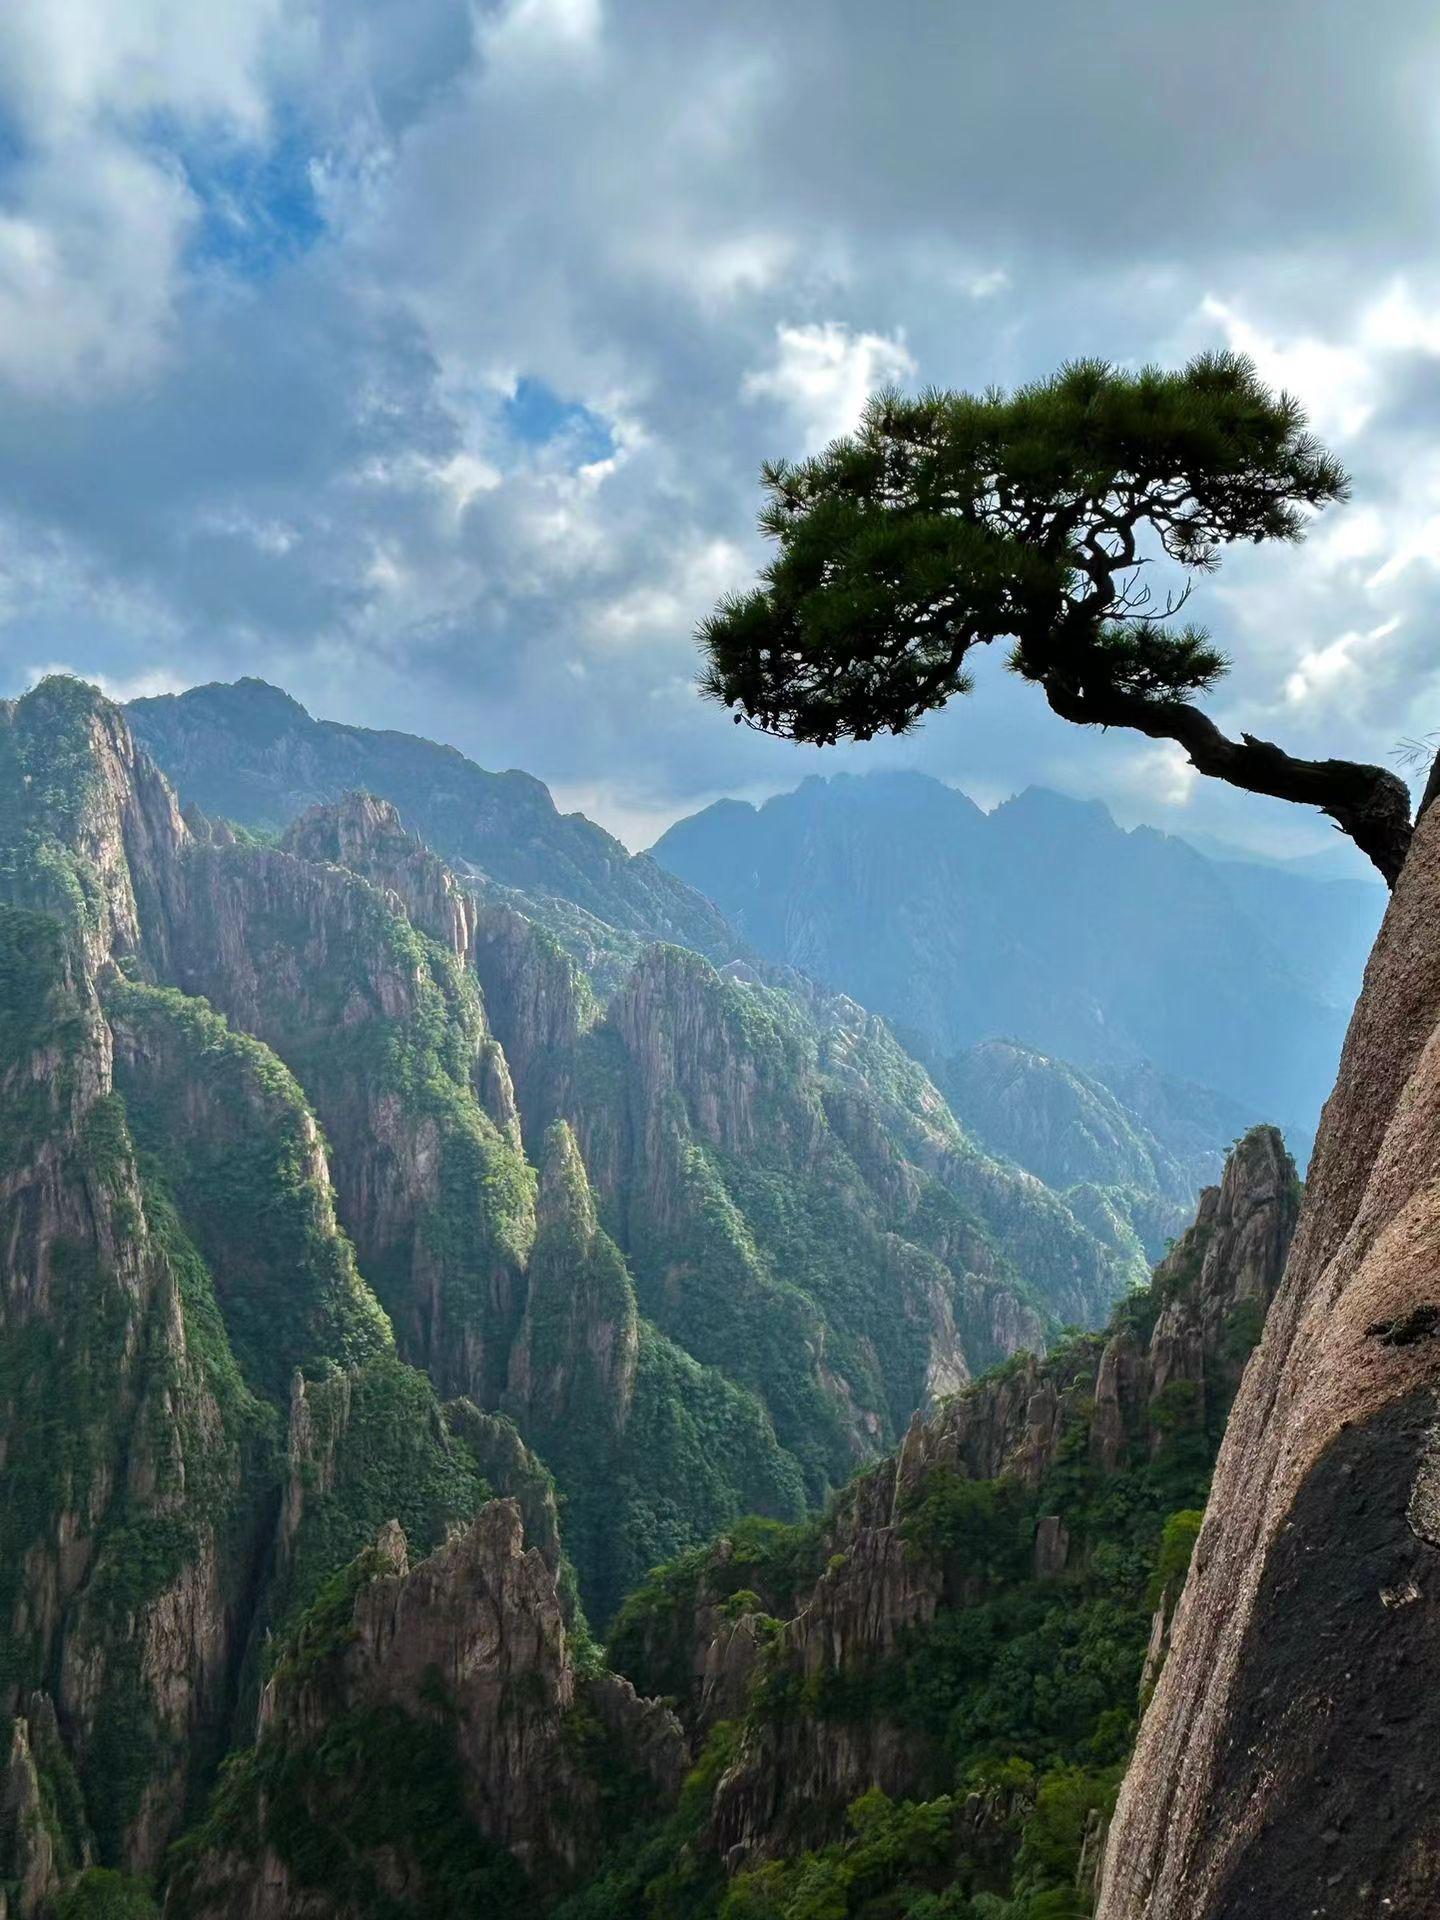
(952,520)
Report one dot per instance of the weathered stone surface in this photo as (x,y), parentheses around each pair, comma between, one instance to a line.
(27,1845)
(1286,1763)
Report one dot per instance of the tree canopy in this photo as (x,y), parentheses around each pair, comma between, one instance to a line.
(951,520)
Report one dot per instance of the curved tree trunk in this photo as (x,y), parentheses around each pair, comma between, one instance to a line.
(1370,804)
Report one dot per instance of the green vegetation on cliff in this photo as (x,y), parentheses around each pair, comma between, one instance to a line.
(385,1031)
(48,781)
(987,1656)
(239,1149)
(650,1449)
(379,1448)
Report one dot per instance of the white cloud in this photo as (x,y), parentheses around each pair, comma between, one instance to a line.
(533,33)
(822,374)
(668,607)
(1157,774)
(1337,382)
(97,215)
(67,64)
(88,267)
(718,230)
(1332,675)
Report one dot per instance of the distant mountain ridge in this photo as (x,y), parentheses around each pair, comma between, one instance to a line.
(1044,921)
(1116,1168)
(247,751)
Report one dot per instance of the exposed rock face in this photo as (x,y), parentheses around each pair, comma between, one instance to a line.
(139,1381)
(387,1032)
(464,1655)
(91,830)
(251,752)
(28,1846)
(796,1774)
(365,835)
(792,1782)
(306,947)
(539,1004)
(264,1200)
(1286,1763)
(124,1457)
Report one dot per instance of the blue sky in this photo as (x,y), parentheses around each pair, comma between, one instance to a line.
(421,356)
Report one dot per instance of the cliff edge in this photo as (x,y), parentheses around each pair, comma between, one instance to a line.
(1287,1762)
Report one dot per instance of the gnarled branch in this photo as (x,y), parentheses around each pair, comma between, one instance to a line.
(1371,804)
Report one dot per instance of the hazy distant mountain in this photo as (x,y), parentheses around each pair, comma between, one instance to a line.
(1124,1162)
(1044,922)
(248,752)
(1342,860)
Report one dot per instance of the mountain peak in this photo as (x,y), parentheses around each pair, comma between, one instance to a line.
(1044,806)
(253,708)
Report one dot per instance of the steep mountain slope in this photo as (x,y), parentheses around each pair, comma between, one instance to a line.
(1042,922)
(1287,1762)
(950,1261)
(972,1628)
(799,1212)
(300,1139)
(252,751)
(152,1357)
(427,1745)
(926,1699)
(247,752)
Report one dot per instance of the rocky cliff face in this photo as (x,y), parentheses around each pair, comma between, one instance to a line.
(172,1254)
(720,1121)
(280,1271)
(250,752)
(385,1028)
(1285,1762)
(125,1450)
(89,831)
(479,1763)
(690,1087)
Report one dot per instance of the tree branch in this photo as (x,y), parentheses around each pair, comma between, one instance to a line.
(1370,804)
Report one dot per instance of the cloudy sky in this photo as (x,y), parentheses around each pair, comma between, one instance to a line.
(420,356)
